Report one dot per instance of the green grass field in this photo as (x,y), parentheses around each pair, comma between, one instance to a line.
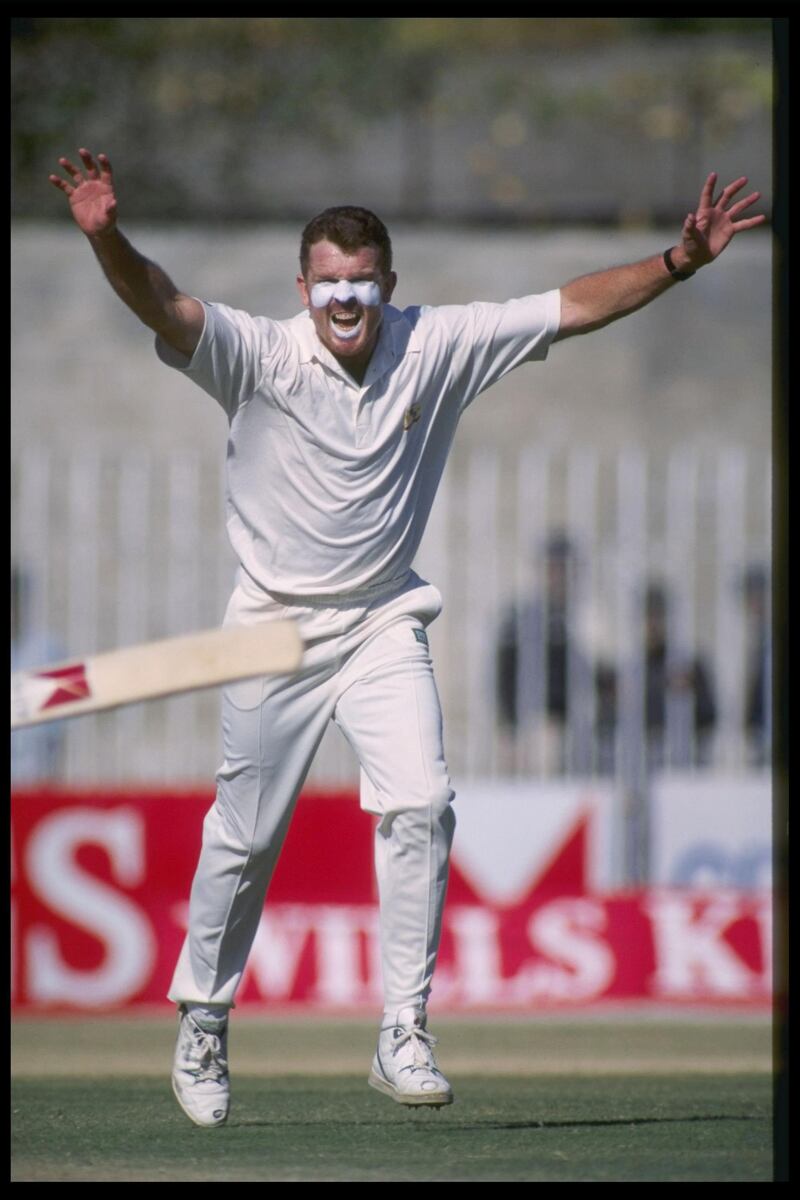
(543,1101)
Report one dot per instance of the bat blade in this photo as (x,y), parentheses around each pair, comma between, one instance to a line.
(153,669)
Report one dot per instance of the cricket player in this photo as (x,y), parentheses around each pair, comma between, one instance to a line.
(340,422)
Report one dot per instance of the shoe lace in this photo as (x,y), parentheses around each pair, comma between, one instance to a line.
(422,1043)
(209,1063)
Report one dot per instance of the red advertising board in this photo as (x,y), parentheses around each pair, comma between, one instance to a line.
(101,879)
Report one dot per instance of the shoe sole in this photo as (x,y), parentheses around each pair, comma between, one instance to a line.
(424,1099)
(192,1117)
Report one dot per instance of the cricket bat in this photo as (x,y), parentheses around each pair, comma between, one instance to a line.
(153,669)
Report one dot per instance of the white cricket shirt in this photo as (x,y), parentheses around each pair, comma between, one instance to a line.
(329,482)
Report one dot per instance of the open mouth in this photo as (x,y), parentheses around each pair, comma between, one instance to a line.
(346,325)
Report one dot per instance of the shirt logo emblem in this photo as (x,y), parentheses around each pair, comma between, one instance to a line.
(411,415)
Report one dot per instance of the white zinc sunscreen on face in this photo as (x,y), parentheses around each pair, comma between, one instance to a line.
(366,292)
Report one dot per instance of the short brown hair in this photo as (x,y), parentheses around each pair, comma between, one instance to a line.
(349,228)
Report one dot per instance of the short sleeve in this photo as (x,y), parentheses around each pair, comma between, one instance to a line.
(229,360)
(489,340)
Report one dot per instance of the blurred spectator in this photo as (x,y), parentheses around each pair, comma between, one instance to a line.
(37,752)
(551,696)
(755,594)
(680,710)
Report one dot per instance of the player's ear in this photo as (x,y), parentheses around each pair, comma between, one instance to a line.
(389,284)
(303,290)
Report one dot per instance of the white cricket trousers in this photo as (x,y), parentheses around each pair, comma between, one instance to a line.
(366,666)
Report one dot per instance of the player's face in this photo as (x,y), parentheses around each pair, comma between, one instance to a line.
(348,326)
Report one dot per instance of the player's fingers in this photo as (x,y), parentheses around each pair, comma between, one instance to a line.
(89,163)
(105,165)
(692,225)
(58,182)
(732,189)
(707,193)
(741,205)
(70,169)
(749,223)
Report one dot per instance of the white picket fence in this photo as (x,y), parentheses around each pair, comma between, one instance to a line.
(120,548)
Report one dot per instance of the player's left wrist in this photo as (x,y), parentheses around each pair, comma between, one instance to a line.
(678,263)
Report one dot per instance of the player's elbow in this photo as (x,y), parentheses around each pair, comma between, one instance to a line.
(576,318)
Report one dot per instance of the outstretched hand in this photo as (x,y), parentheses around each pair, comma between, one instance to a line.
(91,193)
(708,231)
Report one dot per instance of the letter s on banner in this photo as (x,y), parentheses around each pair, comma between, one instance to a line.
(91,904)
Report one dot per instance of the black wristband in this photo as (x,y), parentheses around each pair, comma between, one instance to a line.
(673,270)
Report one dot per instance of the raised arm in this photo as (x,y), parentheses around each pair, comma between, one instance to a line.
(593,301)
(146,289)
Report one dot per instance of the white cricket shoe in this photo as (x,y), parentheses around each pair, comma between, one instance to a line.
(405,1069)
(200,1072)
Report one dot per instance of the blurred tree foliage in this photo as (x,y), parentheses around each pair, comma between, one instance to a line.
(201,108)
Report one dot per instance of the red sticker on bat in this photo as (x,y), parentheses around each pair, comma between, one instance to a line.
(72,685)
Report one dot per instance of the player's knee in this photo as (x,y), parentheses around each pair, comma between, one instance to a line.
(432,808)
(441,804)
(435,801)
(444,814)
